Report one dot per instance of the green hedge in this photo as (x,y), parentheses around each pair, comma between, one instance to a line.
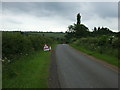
(15,44)
(103,44)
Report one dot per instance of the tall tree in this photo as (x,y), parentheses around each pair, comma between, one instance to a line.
(78,18)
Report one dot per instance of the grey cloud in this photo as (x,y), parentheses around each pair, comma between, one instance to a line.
(106,9)
(41,9)
(60,8)
(64,9)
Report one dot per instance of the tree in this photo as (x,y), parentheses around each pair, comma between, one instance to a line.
(70,32)
(95,29)
(81,30)
(102,31)
(71,28)
(98,28)
(77,30)
(78,18)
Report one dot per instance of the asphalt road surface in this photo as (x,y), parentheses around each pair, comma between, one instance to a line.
(76,70)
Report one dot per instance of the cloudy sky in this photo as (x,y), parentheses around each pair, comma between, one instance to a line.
(56,16)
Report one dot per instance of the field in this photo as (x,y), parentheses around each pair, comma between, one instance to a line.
(50,34)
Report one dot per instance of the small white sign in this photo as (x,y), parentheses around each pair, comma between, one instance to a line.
(46,48)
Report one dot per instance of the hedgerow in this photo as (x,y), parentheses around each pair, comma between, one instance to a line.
(16,44)
(102,44)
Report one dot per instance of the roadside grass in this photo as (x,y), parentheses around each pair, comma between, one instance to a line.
(28,72)
(109,59)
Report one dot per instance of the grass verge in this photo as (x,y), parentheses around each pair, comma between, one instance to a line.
(28,72)
(109,59)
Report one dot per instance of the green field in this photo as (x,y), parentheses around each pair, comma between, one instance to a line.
(110,59)
(28,72)
(50,34)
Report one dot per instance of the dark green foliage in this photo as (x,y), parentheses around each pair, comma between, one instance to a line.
(81,30)
(70,32)
(77,31)
(95,29)
(100,44)
(15,44)
(102,31)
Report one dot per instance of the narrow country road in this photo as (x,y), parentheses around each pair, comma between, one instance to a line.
(76,70)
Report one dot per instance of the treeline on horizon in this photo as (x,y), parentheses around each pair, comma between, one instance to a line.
(79,30)
(33,31)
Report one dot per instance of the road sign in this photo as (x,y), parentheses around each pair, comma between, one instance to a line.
(46,48)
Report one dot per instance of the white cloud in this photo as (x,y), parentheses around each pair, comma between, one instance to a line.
(27,22)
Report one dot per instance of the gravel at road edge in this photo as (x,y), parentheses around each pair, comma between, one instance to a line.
(53,81)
